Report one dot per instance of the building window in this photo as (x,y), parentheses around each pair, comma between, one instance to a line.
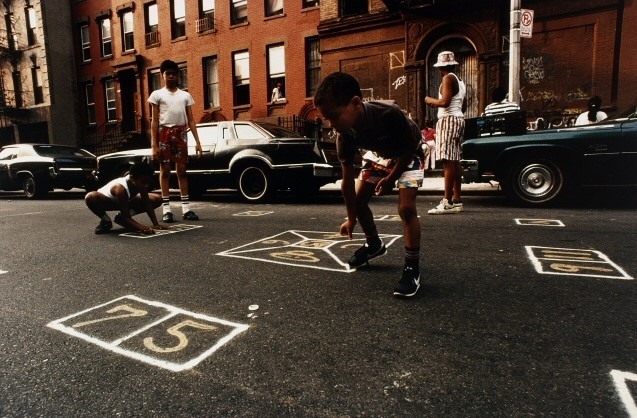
(90,103)
(152,24)
(312,65)
(154,80)
(276,71)
(178,18)
(352,7)
(241,77)
(182,79)
(36,78)
(211,88)
(111,104)
(105,33)
(17,88)
(310,3)
(31,25)
(86,43)
(128,39)
(238,11)
(273,7)
(206,15)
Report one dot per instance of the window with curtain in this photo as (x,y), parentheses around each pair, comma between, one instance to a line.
(105,33)
(211,88)
(238,11)
(111,103)
(312,65)
(32,24)
(276,70)
(273,7)
(128,39)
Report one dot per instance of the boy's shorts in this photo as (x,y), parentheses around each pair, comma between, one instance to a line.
(375,168)
(173,144)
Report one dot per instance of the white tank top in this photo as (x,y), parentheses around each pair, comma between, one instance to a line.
(455,107)
(106,189)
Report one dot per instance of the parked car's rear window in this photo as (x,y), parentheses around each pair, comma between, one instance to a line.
(279,132)
(58,151)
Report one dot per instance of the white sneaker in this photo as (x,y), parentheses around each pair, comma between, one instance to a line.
(458,207)
(443,208)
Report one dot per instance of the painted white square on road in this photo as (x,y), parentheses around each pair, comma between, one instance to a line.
(539,222)
(311,249)
(158,232)
(149,331)
(574,262)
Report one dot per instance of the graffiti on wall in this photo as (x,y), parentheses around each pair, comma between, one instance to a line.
(533,69)
(397,77)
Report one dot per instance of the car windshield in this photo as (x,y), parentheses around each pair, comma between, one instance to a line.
(60,151)
(279,132)
(630,112)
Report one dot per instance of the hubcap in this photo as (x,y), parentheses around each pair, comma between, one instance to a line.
(537,180)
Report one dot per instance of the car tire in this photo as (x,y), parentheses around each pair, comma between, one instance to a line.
(535,182)
(33,189)
(254,183)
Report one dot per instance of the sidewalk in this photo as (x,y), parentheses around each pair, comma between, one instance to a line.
(434,182)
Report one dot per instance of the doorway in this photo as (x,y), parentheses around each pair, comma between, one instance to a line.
(128,86)
(467,71)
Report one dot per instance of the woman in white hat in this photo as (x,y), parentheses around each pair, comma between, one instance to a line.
(451,104)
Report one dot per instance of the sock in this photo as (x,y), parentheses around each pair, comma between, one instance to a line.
(106,217)
(412,258)
(373,241)
(165,205)
(185,206)
(132,212)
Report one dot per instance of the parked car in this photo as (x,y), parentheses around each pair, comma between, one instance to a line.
(37,169)
(254,158)
(538,167)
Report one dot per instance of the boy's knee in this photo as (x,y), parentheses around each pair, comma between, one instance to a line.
(407,212)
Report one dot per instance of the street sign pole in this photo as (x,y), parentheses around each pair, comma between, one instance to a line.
(514,52)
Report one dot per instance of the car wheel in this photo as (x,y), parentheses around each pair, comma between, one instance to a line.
(31,188)
(535,182)
(254,183)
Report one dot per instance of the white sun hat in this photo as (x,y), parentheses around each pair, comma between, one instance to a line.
(446,58)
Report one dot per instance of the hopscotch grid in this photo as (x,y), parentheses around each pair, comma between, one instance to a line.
(536,261)
(174,229)
(619,379)
(175,367)
(558,223)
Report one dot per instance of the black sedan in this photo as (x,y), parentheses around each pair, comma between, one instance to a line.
(37,169)
(538,167)
(254,158)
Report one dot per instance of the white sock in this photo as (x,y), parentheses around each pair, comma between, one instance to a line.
(165,204)
(185,205)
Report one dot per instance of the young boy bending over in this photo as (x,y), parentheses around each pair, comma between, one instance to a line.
(129,195)
(390,141)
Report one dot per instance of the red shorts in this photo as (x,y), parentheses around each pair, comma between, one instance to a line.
(173,144)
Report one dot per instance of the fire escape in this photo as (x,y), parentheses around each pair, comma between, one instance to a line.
(11,100)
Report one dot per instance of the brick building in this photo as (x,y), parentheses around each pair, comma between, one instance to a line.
(578,49)
(37,87)
(231,54)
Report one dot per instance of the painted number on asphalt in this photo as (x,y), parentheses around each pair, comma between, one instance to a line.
(620,380)
(253,213)
(539,222)
(318,250)
(173,229)
(149,331)
(574,262)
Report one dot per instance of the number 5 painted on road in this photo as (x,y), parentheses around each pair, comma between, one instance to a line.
(174,330)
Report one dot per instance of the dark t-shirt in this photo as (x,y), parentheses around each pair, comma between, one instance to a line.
(384,129)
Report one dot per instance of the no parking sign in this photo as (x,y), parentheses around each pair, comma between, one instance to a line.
(526,23)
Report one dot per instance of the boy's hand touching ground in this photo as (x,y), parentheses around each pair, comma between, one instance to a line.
(347,228)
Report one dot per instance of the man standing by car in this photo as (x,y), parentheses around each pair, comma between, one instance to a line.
(451,105)
(171,115)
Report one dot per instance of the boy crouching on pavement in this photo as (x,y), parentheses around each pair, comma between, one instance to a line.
(391,141)
(129,195)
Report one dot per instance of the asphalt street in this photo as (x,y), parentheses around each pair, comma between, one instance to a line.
(252,311)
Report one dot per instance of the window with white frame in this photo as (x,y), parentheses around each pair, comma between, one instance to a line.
(238,11)
(128,39)
(178,18)
(276,71)
(241,77)
(86,43)
(90,103)
(111,102)
(152,24)
(105,33)
(211,88)
(273,7)
(182,77)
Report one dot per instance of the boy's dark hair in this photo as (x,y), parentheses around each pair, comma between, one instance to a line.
(141,169)
(168,65)
(338,88)
(594,103)
(498,94)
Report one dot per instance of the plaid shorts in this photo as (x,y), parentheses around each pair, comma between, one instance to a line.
(375,168)
(173,144)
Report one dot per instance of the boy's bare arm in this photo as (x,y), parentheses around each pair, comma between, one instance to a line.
(154,130)
(193,129)
(348,188)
